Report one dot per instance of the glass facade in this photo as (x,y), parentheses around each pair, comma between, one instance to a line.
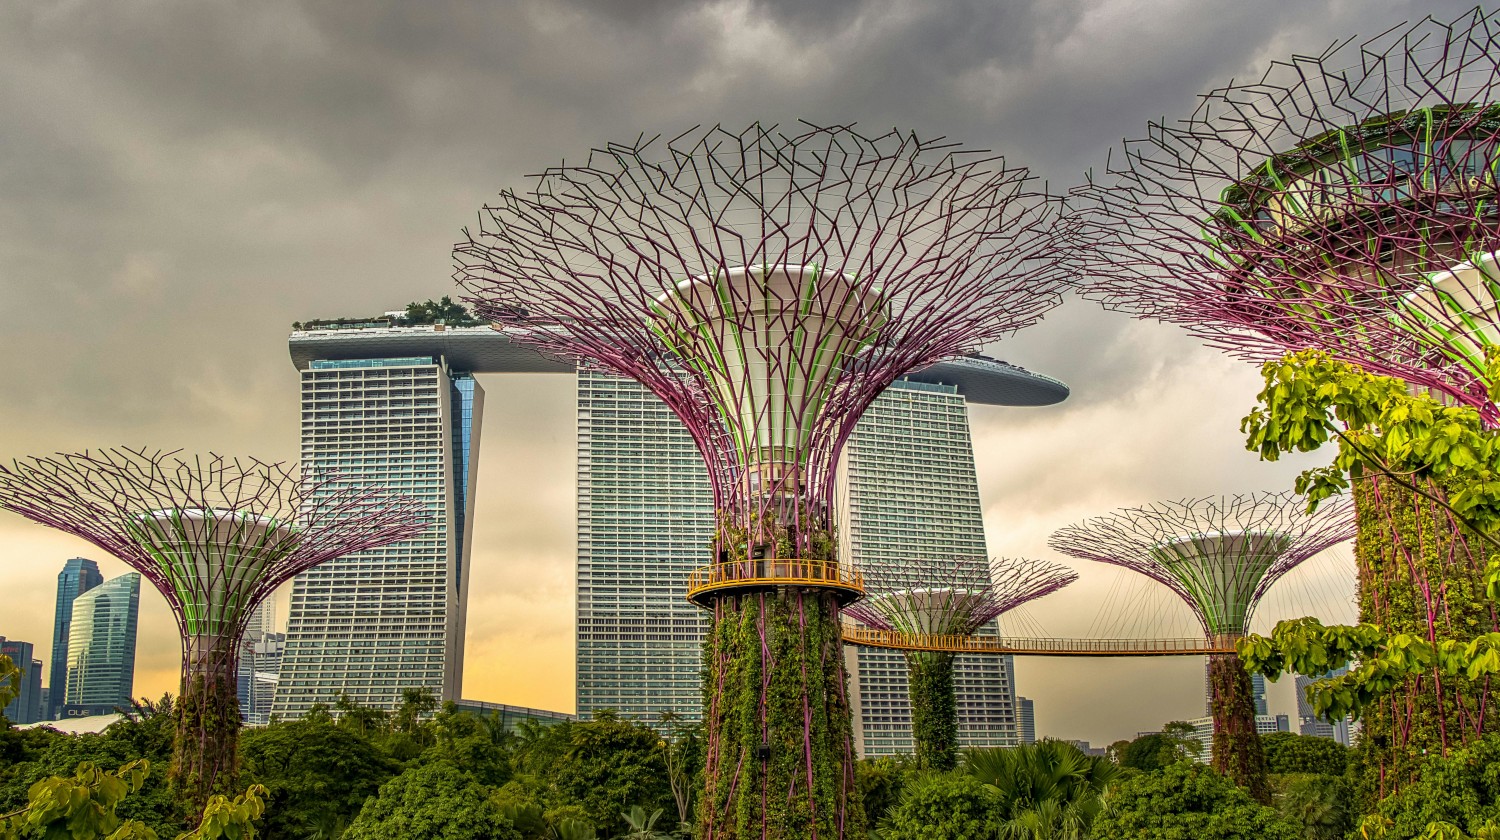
(375,622)
(26,707)
(77,576)
(645,515)
(1026,714)
(101,648)
(908,490)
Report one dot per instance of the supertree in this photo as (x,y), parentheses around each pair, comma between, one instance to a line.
(767,286)
(216,536)
(1344,202)
(1220,554)
(933,602)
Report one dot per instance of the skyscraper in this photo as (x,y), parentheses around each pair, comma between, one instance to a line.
(27,706)
(261,650)
(909,489)
(1309,723)
(101,647)
(645,520)
(78,576)
(1026,716)
(378,621)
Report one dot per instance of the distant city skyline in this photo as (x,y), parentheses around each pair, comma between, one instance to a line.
(78,576)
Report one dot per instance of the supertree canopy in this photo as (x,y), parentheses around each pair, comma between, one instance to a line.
(932,601)
(1220,555)
(1344,202)
(216,536)
(767,286)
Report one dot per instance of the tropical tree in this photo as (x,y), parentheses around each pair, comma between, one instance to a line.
(1188,801)
(1288,753)
(436,800)
(1049,790)
(318,774)
(943,806)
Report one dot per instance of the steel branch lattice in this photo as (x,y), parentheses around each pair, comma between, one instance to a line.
(767,287)
(952,597)
(214,535)
(1346,201)
(1220,554)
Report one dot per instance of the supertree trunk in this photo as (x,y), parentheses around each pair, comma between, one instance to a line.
(780,748)
(1421,574)
(1237,751)
(205,757)
(934,711)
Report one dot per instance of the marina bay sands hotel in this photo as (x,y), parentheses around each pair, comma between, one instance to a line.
(400,406)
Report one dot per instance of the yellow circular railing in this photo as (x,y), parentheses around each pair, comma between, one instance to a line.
(708,582)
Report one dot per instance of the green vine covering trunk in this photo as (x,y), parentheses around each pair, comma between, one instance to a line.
(779,762)
(205,758)
(934,711)
(1237,752)
(1418,574)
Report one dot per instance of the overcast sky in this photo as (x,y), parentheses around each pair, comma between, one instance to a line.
(179,181)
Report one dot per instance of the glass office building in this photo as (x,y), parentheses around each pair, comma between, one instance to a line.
(78,575)
(645,517)
(25,707)
(101,648)
(378,621)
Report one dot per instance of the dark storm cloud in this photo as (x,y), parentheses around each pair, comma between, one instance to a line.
(181,179)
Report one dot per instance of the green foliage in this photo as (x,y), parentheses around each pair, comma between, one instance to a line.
(85,806)
(445,311)
(603,766)
(81,806)
(1323,805)
(1462,789)
(40,753)
(1288,753)
(943,806)
(780,751)
(437,801)
(1309,399)
(1305,645)
(1049,789)
(318,774)
(1161,749)
(641,826)
(934,709)
(880,782)
(1190,802)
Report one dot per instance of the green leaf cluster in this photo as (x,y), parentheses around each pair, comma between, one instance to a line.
(1190,802)
(1311,398)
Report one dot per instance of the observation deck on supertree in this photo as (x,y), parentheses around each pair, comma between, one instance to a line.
(1220,555)
(216,536)
(927,607)
(767,287)
(1345,202)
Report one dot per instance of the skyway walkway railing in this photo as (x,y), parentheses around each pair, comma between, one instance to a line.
(870,637)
